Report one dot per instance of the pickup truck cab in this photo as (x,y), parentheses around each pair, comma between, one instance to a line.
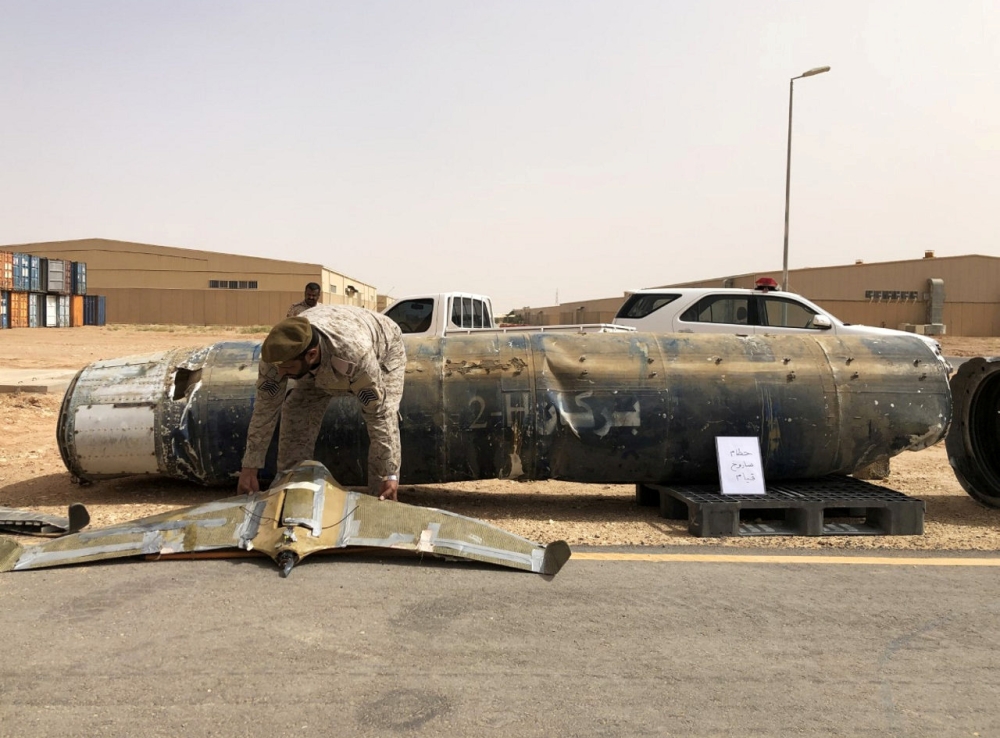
(450,313)
(435,314)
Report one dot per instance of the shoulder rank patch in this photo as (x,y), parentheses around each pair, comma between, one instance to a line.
(367,396)
(269,387)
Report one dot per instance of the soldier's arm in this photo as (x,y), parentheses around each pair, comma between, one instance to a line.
(380,418)
(266,408)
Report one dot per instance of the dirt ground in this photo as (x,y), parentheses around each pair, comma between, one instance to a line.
(32,475)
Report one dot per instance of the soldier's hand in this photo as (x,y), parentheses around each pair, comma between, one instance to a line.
(248,483)
(388,490)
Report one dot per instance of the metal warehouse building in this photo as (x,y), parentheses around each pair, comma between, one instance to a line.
(960,294)
(145,283)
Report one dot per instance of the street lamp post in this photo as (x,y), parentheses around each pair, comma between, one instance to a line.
(788,167)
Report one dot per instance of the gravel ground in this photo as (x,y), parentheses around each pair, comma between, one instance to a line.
(32,475)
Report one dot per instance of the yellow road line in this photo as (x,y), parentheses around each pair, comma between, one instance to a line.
(775,559)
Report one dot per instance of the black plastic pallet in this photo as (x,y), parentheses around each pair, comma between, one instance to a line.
(828,506)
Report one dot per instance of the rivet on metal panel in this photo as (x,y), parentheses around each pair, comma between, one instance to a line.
(923,376)
(850,359)
(652,374)
(583,358)
(855,375)
(649,359)
(785,360)
(718,359)
(916,362)
(584,373)
(791,376)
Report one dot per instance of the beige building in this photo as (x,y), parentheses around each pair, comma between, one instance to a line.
(145,283)
(960,293)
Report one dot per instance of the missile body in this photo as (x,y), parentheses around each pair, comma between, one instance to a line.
(593,407)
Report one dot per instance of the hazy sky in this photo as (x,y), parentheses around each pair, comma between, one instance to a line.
(512,148)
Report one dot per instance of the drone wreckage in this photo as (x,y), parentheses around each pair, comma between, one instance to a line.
(303,512)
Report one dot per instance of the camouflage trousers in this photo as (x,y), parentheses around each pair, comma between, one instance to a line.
(302,416)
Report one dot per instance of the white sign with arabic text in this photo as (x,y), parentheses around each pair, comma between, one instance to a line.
(740,469)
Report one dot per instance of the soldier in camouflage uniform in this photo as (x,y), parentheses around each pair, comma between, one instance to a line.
(328,350)
(310,300)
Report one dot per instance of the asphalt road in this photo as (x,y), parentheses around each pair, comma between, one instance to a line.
(735,644)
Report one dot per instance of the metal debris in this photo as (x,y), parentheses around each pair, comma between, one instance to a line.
(646,408)
(29,523)
(304,512)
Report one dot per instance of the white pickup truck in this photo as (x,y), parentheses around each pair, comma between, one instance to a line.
(450,313)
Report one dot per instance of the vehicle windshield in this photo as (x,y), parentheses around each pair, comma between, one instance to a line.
(412,316)
(639,306)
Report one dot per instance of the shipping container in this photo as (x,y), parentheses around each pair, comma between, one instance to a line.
(75,310)
(39,300)
(33,311)
(63,319)
(4,301)
(6,271)
(22,272)
(51,311)
(18,309)
(94,309)
(60,281)
(79,271)
(35,280)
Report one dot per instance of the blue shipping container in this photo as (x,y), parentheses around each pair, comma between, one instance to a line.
(4,310)
(35,278)
(22,272)
(94,310)
(79,271)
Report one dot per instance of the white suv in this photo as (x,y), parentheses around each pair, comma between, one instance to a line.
(729,310)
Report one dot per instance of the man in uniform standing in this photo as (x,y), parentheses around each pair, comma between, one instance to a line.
(310,300)
(330,350)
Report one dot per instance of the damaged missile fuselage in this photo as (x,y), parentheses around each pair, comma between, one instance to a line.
(596,407)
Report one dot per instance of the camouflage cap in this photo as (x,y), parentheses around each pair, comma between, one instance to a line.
(287,339)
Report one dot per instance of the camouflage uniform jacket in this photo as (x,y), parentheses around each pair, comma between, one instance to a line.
(361,352)
(297,308)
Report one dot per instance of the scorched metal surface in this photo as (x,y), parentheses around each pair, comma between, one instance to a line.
(599,407)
